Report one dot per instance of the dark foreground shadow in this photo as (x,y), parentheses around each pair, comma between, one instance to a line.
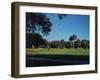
(55,60)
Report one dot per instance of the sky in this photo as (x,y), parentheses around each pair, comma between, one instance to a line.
(69,25)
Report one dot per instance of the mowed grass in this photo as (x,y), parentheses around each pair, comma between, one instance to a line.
(57,51)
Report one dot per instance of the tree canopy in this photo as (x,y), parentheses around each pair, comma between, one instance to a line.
(72,37)
(38,25)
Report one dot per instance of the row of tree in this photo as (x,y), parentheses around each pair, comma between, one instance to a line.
(36,41)
(77,44)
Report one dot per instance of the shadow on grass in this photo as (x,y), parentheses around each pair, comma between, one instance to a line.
(55,60)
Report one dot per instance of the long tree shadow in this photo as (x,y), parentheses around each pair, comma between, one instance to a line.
(55,60)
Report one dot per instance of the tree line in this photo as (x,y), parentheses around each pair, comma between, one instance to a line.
(36,41)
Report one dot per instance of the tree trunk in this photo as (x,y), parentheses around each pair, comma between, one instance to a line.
(73,44)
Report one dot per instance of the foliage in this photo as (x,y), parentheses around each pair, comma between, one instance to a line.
(38,25)
(72,37)
(68,44)
(38,22)
(77,43)
(85,44)
(34,39)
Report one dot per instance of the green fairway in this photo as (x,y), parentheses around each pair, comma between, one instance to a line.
(57,51)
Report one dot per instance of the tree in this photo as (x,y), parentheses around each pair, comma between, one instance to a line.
(88,44)
(60,16)
(77,43)
(45,44)
(29,40)
(68,44)
(62,43)
(38,25)
(55,44)
(33,39)
(37,40)
(85,44)
(72,39)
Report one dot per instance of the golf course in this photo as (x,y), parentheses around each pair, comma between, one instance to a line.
(56,56)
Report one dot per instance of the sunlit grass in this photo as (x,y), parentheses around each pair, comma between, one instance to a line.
(57,51)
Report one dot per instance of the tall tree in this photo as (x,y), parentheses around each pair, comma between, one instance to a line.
(38,25)
(72,39)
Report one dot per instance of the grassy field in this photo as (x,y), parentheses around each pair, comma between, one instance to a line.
(55,51)
(53,56)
